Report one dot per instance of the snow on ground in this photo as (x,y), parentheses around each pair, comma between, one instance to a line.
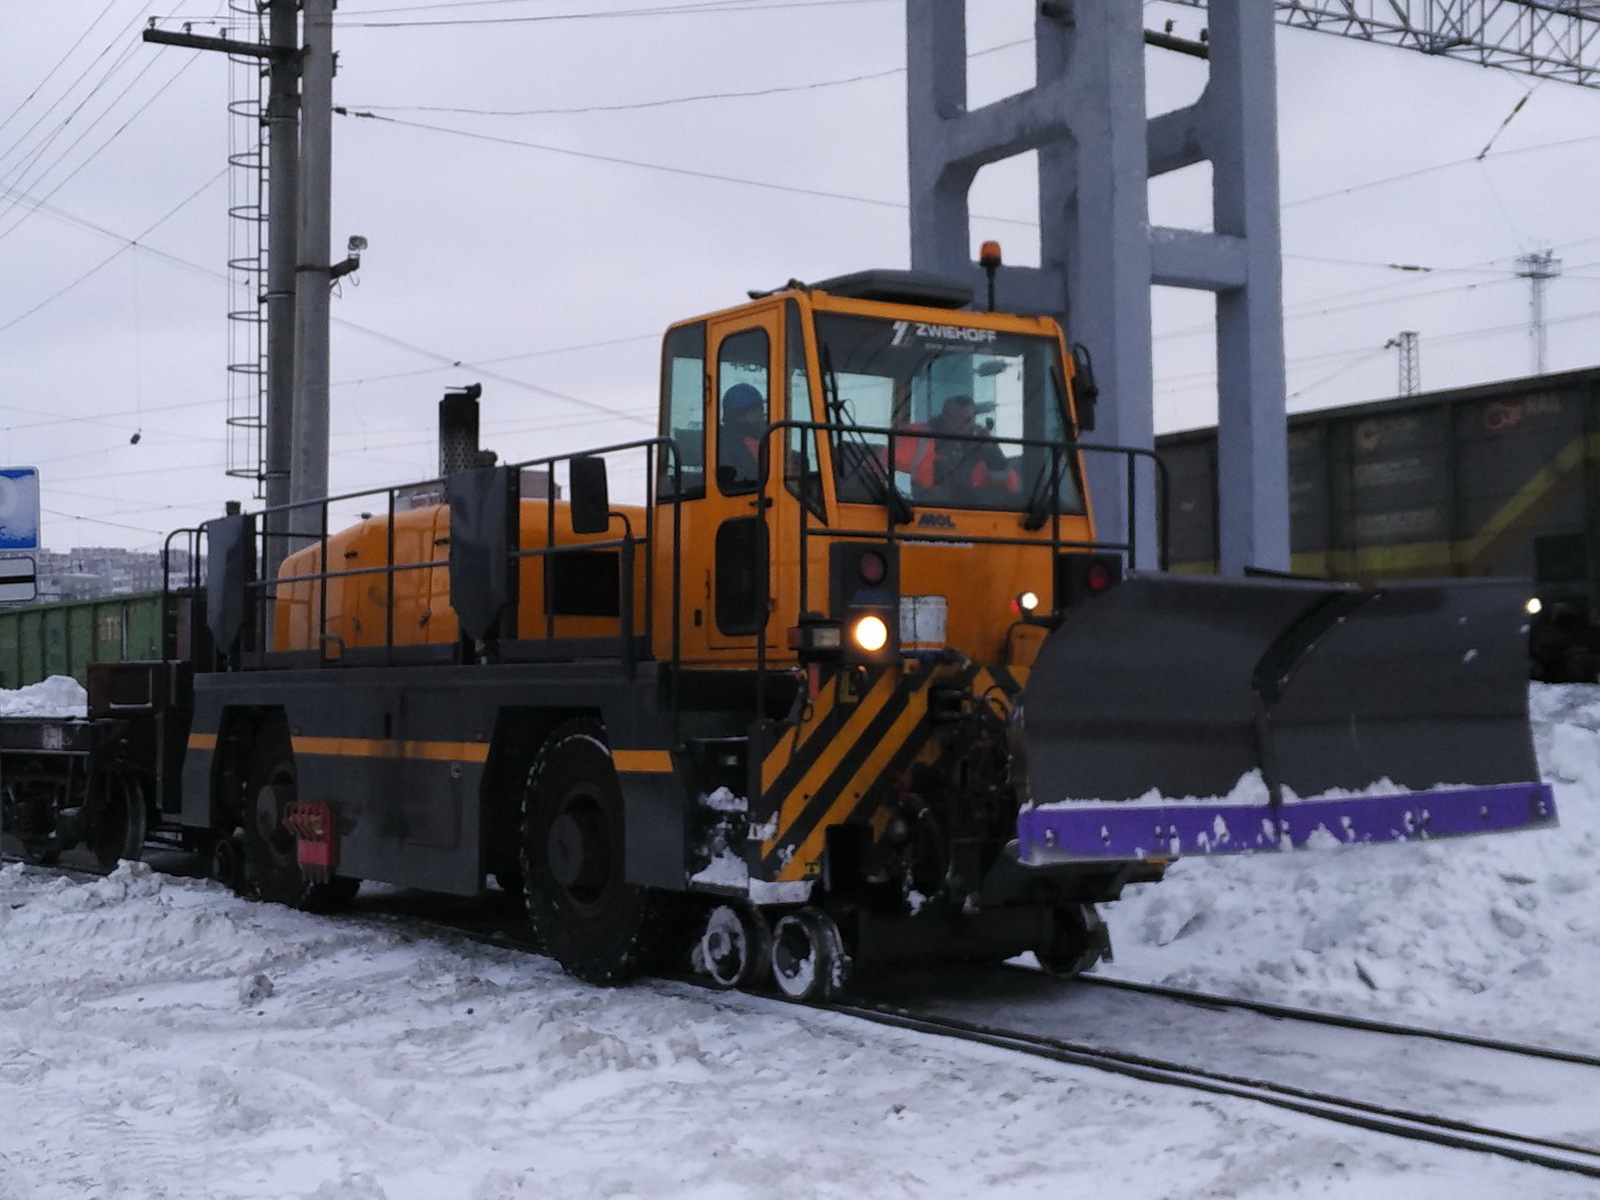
(58,696)
(160,1037)
(1496,934)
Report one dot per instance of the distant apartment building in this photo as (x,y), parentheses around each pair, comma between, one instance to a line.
(86,572)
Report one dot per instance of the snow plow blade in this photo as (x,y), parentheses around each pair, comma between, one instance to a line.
(1187,714)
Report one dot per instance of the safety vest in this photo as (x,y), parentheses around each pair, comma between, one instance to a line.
(926,457)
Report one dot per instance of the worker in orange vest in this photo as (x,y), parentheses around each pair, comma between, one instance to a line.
(953,467)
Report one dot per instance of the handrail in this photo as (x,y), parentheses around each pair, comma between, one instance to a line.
(660,454)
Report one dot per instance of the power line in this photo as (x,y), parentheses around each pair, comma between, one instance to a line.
(98,150)
(725,6)
(128,244)
(129,50)
(670,101)
(618,160)
(61,62)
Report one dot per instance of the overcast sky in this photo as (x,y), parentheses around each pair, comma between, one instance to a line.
(657,164)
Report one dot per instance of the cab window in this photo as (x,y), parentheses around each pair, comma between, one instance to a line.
(683,381)
(801,474)
(743,388)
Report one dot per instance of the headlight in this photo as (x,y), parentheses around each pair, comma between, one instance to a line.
(1534,606)
(870,633)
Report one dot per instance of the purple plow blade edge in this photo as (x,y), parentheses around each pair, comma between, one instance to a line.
(1077,832)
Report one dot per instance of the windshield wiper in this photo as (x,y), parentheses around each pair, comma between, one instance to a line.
(1046,491)
(875,472)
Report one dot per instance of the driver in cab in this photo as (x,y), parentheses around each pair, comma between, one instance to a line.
(951,457)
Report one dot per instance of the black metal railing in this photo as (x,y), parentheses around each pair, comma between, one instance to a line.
(285,530)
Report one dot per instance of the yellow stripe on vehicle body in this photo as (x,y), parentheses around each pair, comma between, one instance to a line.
(391,748)
(642,762)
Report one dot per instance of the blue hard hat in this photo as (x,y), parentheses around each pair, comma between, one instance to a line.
(742,399)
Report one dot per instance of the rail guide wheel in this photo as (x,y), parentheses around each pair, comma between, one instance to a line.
(1076,941)
(736,947)
(809,960)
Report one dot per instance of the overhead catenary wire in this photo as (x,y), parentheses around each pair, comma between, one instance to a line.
(698,8)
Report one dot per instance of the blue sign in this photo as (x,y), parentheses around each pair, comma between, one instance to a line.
(19,508)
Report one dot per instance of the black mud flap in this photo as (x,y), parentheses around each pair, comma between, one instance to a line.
(1177,714)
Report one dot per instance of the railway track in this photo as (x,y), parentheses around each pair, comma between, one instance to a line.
(1048,1002)
(1413,1125)
(1340,1021)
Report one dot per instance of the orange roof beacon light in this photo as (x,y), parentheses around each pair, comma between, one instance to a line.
(989,259)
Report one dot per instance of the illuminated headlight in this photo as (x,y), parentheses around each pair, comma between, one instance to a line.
(1027,603)
(870,633)
(1534,606)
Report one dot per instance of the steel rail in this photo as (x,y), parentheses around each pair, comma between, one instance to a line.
(1413,1126)
(1313,1016)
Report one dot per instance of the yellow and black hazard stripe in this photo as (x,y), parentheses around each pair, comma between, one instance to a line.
(825,773)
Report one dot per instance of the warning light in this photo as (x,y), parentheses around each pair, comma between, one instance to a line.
(872,568)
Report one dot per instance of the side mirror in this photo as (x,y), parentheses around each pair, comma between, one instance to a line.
(591,497)
(1085,391)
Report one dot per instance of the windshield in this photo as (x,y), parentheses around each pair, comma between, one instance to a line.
(957,417)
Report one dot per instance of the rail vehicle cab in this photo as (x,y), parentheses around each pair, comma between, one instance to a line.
(838,447)
(878,501)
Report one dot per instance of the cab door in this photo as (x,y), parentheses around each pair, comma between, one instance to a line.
(726,533)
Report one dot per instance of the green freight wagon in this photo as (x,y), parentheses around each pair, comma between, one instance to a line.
(63,639)
(1497,480)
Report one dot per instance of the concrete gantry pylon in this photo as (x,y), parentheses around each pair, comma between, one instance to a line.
(1099,255)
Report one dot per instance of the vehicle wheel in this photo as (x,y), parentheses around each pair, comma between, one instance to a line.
(599,927)
(272,865)
(1078,939)
(808,956)
(44,853)
(119,826)
(736,947)
(227,862)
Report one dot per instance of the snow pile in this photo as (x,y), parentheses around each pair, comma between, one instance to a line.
(58,696)
(1497,933)
(160,1037)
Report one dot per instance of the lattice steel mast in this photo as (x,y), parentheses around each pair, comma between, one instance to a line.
(1550,39)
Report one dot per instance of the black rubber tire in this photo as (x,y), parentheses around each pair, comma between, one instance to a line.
(272,866)
(599,927)
(119,826)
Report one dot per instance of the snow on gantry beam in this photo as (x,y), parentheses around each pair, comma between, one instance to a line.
(1550,39)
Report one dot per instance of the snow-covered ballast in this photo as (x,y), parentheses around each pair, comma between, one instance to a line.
(1300,712)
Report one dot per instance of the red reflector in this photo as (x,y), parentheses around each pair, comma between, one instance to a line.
(872,568)
(1098,577)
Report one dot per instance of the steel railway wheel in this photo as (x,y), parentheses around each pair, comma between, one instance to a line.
(736,948)
(1076,941)
(272,865)
(599,927)
(809,961)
